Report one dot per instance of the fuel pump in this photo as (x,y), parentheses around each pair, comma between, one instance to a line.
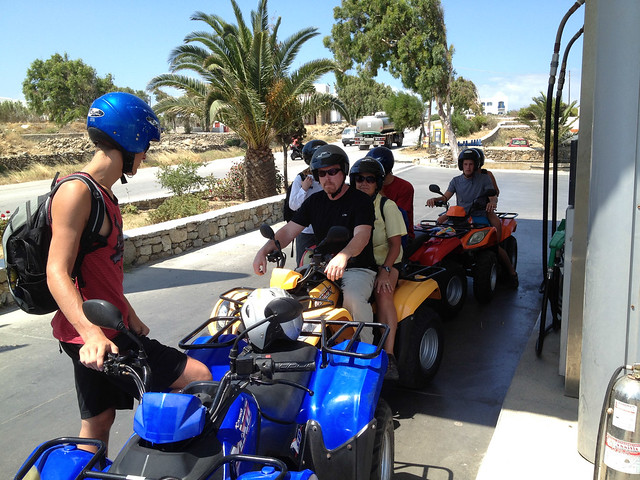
(618,444)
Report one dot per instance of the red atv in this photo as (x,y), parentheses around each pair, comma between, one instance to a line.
(464,246)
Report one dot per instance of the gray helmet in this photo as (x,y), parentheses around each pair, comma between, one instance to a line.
(253,311)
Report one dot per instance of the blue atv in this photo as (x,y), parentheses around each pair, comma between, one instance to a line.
(278,408)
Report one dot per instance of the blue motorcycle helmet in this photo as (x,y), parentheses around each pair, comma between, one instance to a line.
(123,121)
(310,148)
(384,156)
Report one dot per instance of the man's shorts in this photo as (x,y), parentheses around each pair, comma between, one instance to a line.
(98,391)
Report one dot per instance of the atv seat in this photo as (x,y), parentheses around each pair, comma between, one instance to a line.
(281,403)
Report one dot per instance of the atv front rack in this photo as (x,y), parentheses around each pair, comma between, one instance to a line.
(329,332)
(99,457)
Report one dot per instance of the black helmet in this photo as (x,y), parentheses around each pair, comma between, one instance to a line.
(474,154)
(327,155)
(309,149)
(481,153)
(384,156)
(368,165)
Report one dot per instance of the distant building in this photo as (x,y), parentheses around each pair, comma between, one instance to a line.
(332,116)
(497,105)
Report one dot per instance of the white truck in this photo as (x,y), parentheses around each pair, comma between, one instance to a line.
(377,130)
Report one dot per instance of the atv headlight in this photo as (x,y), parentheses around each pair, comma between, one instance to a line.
(477,237)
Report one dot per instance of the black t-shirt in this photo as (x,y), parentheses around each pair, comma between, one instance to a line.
(352,209)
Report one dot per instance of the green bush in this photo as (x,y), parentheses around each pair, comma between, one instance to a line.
(231,187)
(181,179)
(179,207)
(129,208)
(233,142)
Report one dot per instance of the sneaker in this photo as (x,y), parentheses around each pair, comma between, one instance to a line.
(392,370)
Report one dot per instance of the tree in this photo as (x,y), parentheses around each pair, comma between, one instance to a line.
(15,111)
(245,78)
(407,37)
(406,111)
(464,96)
(361,95)
(534,115)
(63,89)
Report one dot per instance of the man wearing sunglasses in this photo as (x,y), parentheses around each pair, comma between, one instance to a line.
(339,204)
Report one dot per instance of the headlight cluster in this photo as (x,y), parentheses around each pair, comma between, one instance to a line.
(477,237)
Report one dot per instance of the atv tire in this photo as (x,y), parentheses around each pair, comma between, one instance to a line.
(383,445)
(510,246)
(419,347)
(485,276)
(453,290)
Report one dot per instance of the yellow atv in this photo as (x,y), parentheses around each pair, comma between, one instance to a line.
(419,341)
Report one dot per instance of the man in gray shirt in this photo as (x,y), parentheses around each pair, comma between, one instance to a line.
(468,187)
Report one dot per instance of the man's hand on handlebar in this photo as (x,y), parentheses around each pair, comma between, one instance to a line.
(336,267)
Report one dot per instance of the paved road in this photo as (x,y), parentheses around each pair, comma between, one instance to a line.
(442,432)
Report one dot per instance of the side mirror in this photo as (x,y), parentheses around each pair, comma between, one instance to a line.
(106,315)
(283,309)
(435,189)
(266,231)
(337,234)
(103,314)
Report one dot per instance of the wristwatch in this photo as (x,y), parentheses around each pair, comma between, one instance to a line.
(388,269)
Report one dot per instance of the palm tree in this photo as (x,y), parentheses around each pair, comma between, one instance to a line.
(246,81)
(535,114)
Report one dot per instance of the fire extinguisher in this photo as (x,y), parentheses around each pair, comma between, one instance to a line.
(618,444)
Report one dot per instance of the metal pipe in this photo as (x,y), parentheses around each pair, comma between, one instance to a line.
(547,136)
(556,129)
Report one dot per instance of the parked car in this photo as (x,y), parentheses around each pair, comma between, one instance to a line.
(518,142)
(349,136)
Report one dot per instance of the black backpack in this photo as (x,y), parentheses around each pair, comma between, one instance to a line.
(286,209)
(26,242)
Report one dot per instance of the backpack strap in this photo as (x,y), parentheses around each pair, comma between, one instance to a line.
(383,200)
(91,239)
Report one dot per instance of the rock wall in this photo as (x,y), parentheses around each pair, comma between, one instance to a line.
(155,242)
(61,149)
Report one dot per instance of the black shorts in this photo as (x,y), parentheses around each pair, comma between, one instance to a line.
(98,391)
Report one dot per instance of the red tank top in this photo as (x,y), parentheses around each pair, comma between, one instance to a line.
(102,272)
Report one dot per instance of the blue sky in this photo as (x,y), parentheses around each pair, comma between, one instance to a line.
(503,46)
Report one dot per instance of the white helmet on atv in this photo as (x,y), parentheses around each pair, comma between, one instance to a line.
(254,311)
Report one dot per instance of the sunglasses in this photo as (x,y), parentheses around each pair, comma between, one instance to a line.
(362,178)
(331,172)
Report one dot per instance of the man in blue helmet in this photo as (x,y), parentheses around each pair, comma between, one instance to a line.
(122,127)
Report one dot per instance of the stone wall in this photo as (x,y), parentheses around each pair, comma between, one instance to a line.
(162,240)
(61,149)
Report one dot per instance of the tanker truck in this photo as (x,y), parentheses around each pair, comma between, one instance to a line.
(377,130)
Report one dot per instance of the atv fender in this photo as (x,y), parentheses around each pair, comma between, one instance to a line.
(284,278)
(409,295)
(435,250)
(345,394)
